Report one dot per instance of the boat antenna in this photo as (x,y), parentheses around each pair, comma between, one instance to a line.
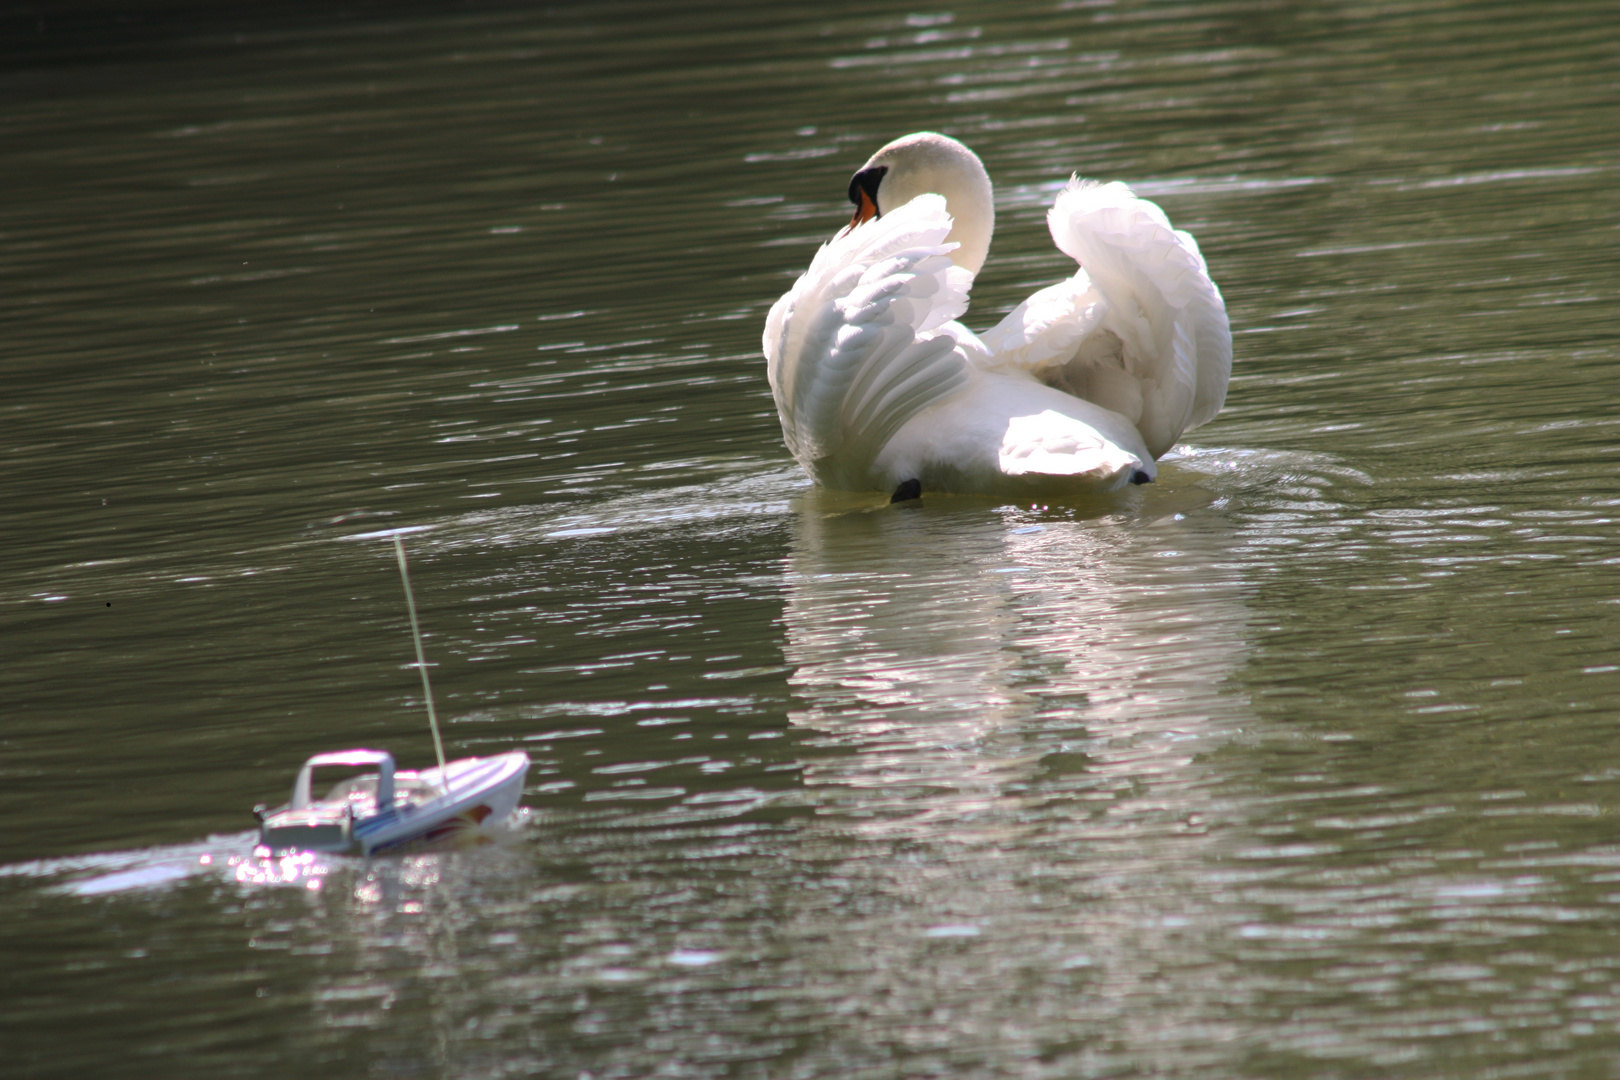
(421,660)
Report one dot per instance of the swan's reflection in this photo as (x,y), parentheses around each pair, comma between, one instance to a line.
(1024,834)
(954,646)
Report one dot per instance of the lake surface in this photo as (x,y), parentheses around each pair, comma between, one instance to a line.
(1301,762)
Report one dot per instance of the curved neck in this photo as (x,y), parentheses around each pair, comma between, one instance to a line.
(928,163)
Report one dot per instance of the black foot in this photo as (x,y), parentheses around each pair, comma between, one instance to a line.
(1140,476)
(908,489)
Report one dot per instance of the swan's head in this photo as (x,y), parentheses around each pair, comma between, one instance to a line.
(927,163)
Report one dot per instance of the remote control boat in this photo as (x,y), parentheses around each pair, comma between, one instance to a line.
(390,808)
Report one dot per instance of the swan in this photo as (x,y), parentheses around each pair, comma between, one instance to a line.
(1078,389)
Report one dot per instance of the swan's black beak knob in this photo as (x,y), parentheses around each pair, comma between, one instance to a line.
(863,188)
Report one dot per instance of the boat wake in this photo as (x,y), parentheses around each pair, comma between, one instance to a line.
(233,859)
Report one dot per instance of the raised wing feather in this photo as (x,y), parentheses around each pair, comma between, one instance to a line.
(1047,328)
(858,345)
(1140,329)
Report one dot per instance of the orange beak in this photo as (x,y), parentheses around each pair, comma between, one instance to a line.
(865,210)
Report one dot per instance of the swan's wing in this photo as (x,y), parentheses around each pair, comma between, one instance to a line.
(859,344)
(1140,330)
(1046,329)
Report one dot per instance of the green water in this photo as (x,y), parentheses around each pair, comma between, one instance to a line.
(1302,762)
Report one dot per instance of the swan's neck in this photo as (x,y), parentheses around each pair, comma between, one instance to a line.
(928,163)
(973,220)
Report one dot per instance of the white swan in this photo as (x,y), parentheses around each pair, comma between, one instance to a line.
(1078,389)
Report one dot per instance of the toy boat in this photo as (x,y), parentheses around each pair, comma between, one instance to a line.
(388,809)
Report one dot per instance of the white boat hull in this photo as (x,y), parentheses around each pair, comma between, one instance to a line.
(386,811)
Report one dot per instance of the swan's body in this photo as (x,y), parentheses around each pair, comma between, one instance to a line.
(1079,388)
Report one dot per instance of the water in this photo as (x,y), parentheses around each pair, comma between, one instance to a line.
(1300,762)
